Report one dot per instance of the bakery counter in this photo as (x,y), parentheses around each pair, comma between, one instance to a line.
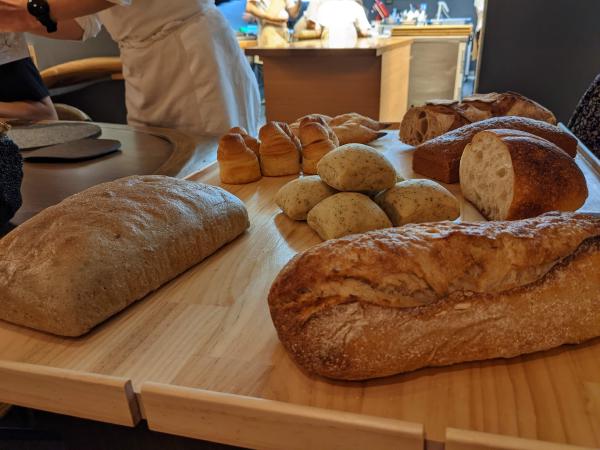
(200,357)
(377,77)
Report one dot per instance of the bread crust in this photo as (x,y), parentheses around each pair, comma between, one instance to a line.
(437,117)
(545,178)
(439,158)
(317,139)
(396,300)
(76,264)
(238,163)
(279,150)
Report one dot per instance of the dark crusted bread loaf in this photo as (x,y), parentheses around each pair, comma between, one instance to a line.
(77,263)
(11,176)
(511,174)
(437,117)
(396,300)
(439,158)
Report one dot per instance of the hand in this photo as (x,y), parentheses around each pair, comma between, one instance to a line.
(15,18)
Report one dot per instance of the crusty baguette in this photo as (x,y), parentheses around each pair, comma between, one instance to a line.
(77,263)
(511,174)
(437,117)
(439,158)
(396,300)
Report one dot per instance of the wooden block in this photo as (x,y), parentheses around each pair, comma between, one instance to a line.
(258,423)
(395,75)
(97,397)
(332,85)
(474,440)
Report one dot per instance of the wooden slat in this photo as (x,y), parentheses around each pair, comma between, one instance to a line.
(473,440)
(97,397)
(266,424)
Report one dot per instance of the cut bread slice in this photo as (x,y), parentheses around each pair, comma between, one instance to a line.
(510,175)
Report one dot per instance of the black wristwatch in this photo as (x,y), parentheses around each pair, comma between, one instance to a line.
(40,9)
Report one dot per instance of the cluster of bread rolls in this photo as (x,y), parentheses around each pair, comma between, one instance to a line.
(437,117)
(284,149)
(357,190)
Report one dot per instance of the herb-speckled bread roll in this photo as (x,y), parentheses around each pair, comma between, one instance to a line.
(417,201)
(356,168)
(346,213)
(301,195)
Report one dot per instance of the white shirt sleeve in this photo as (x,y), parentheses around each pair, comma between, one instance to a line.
(312,10)
(91,24)
(361,22)
(290,3)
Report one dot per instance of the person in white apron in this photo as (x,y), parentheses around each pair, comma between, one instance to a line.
(272,17)
(182,65)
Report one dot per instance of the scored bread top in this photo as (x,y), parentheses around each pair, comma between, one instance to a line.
(420,264)
(276,138)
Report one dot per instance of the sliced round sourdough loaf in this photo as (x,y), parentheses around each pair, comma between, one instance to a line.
(510,175)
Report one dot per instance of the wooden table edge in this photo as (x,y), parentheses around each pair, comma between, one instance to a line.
(82,394)
(256,422)
(459,439)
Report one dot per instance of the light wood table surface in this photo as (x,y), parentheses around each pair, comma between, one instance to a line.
(201,358)
(144,151)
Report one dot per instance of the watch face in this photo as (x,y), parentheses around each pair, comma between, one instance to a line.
(38,8)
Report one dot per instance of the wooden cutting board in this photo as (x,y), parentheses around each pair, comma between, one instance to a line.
(209,333)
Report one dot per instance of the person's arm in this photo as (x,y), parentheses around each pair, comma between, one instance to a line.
(29,110)
(15,18)
(68,30)
(363,27)
(257,12)
(294,10)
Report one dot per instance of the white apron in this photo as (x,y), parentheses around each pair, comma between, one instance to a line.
(183,67)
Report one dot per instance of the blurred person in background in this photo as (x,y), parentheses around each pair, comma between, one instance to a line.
(23,94)
(182,64)
(272,17)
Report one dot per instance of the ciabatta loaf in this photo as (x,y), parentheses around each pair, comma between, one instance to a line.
(76,264)
(396,300)
(439,158)
(437,117)
(510,174)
